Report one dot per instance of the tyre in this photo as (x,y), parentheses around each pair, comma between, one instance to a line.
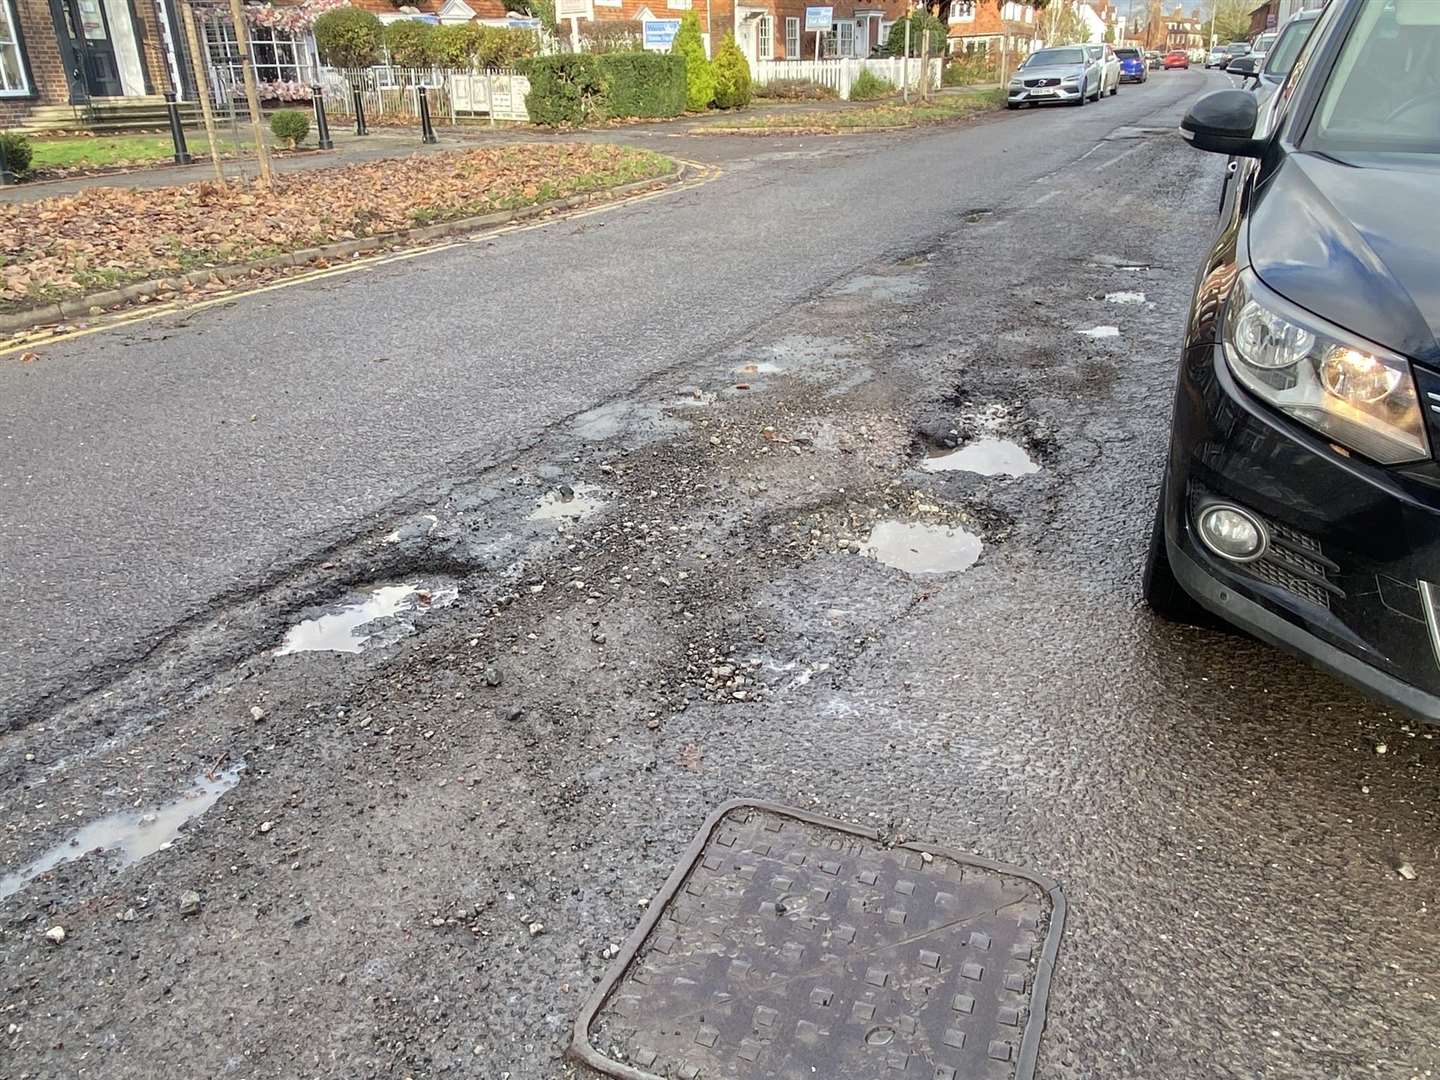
(1084,94)
(1012,105)
(1163,593)
(1114,89)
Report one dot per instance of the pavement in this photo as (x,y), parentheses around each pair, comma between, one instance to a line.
(431,846)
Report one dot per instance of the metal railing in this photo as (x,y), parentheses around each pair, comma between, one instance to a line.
(389,93)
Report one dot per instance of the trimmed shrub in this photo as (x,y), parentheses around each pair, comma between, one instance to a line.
(868,86)
(642,83)
(411,43)
(565,90)
(918,21)
(967,69)
(503,47)
(699,73)
(290,126)
(349,38)
(15,151)
(732,76)
(457,44)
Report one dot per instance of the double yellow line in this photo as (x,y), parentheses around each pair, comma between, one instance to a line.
(28,341)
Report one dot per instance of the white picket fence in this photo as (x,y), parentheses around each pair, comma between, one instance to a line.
(389,92)
(840,73)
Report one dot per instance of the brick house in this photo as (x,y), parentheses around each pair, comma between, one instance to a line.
(991,26)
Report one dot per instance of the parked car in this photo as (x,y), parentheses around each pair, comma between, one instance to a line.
(1300,499)
(1261,45)
(1049,76)
(1103,57)
(1132,64)
(1153,60)
(1282,53)
(1177,58)
(1216,57)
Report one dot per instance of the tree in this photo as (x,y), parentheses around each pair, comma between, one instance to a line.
(348,38)
(1065,26)
(411,43)
(699,73)
(1109,37)
(1232,19)
(918,22)
(732,76)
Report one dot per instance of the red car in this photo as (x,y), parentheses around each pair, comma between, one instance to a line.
(1177,59)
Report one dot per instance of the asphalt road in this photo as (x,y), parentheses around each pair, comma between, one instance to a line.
(434,844)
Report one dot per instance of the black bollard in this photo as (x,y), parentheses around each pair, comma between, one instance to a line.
(360,128)
(427,133)
(177,132)
(322,126)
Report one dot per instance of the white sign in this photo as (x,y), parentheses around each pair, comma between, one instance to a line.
(574,9)
(819,18)
(659,34)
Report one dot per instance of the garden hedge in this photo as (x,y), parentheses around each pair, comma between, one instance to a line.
(570,89)
(642,83)
(565,89)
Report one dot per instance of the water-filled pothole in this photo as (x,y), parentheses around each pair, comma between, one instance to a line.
(378,616)
(129,835)
(918,548)
(760,367)
(568,501)
(987,457)
(1100,332)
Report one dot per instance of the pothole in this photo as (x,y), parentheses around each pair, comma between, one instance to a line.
(128,836)
(381,615)
(1124,297)
(569,502)
(917,548)
(421,527)
(760,367)
(1100,332)
(878,287)
(987,457)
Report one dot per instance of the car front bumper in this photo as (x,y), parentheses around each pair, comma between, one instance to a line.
(1353,546)
(1042,95)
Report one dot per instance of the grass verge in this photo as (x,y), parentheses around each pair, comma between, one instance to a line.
(887,116)
(64,247)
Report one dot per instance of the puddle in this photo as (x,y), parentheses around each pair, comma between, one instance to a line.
(1100,332)
(344,630)
(694,397)
(763,367)
(621,418)
(987,457)
(1125,298)
(129,835)
(423,526)
(878,287)
(922,549)
(567,502)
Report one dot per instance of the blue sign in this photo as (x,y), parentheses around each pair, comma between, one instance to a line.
(819,18)
(660,33)
(520,23)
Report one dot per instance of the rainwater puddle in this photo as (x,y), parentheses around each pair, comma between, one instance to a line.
(763,367)
(1100,332)
(987,457)
(566,502)
(917,548)
(345,630)
(422,526)
(129,835)
(1125,298)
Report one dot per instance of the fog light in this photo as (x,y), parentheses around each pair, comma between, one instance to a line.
(1232,533)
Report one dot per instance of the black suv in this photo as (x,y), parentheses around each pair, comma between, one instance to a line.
(1301,496)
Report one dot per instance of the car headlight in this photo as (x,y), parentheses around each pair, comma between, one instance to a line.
(1352,391)
(1071,80)
(1016,81)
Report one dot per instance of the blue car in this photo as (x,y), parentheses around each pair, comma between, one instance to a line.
(1133,67)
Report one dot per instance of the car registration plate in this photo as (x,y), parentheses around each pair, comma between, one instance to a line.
(1043,92)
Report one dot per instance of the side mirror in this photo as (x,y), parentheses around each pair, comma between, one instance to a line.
(1224,123)
(1242,65)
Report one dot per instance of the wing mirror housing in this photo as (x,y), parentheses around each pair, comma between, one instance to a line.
(1224,123)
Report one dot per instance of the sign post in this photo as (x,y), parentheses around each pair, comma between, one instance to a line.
(819,19)
(574,10)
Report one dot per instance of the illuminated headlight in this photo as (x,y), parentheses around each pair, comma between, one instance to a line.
(1356,393)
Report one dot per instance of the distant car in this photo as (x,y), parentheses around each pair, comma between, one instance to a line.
(1154,61)
(1104,57)
(1280,57)
(1177,58)
(1217,58)
(1261,45)
(1050,76)
(1132,64)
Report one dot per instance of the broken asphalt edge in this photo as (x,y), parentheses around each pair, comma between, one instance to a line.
(79,307)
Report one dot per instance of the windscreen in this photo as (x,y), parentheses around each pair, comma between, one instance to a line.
(1055,57)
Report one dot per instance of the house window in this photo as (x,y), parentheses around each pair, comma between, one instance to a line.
(792,38)
(678,5)
(12,66)
(845,38)
(884,35)
(279,55)
(962,11)
(765,37)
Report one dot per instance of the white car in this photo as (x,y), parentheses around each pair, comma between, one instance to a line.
(1105,66)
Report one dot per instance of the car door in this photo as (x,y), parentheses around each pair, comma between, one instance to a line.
(1094,70)
(1112,69)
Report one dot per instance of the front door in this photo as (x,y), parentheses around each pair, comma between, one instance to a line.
(95,68)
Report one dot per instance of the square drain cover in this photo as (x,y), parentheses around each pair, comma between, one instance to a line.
(790,947)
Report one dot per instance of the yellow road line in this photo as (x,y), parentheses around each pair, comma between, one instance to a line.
(20,344)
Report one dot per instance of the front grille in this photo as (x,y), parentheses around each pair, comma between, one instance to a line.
(1275,573)
(1042,82)
(1294,561)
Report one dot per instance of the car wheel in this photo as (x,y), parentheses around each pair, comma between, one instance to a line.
(1012,104)
(1115,89)
(1084,95)
(1164,595)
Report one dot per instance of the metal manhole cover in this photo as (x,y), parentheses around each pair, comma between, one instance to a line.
(790,947)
